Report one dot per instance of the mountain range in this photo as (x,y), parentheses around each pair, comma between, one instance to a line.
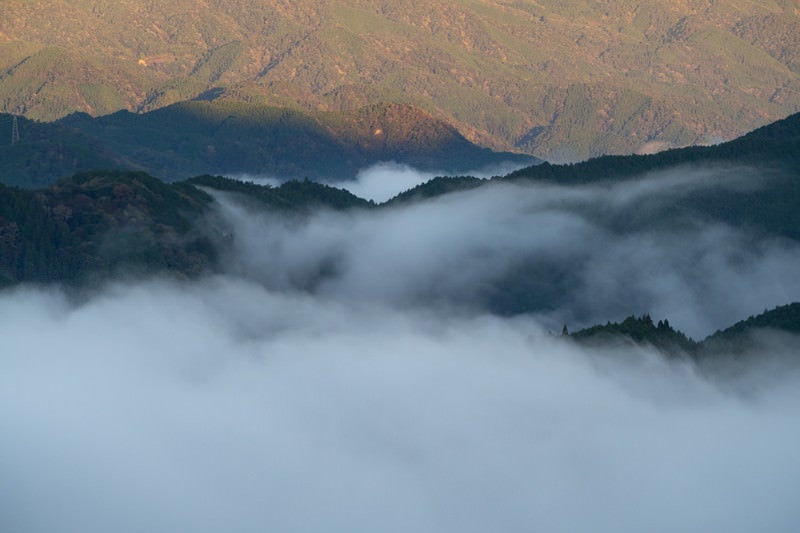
(103,224)
(562,80)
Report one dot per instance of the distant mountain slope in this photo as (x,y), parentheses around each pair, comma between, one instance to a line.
(49,151)
(772,152)
(774,145)
(563,80)
(192,138)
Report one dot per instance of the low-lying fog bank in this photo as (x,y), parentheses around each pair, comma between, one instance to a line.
(220,405)
(569,255)
(344,374)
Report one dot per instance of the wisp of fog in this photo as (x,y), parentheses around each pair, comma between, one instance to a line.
(574,255)
(348,374)
(383,181)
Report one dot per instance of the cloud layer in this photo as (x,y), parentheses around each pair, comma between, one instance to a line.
(345,375)
(575,255)
(224,406)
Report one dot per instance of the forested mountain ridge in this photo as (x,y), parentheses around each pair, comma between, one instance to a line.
(736,339)
(560,80)
(227,137)
(640,330)
(771,209)
(774,145)
(772,151)
(101,223)
(106,223)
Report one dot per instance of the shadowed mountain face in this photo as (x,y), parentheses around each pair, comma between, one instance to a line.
(226,137)
(561,80)
(102,223)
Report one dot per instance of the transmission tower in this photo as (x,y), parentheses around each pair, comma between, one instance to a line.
(14,130)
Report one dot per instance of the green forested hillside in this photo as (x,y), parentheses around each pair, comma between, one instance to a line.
(101,223)
(105,223)
(292,196)
(641,330)
(560,80)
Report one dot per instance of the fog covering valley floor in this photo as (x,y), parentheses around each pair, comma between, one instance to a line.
(297,358)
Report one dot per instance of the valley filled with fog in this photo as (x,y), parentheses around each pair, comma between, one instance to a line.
(397,369)
(582,254)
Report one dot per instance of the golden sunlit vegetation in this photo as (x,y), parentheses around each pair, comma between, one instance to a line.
(561,80)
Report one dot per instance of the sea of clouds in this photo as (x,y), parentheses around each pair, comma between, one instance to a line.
(585,254)
(343,374)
